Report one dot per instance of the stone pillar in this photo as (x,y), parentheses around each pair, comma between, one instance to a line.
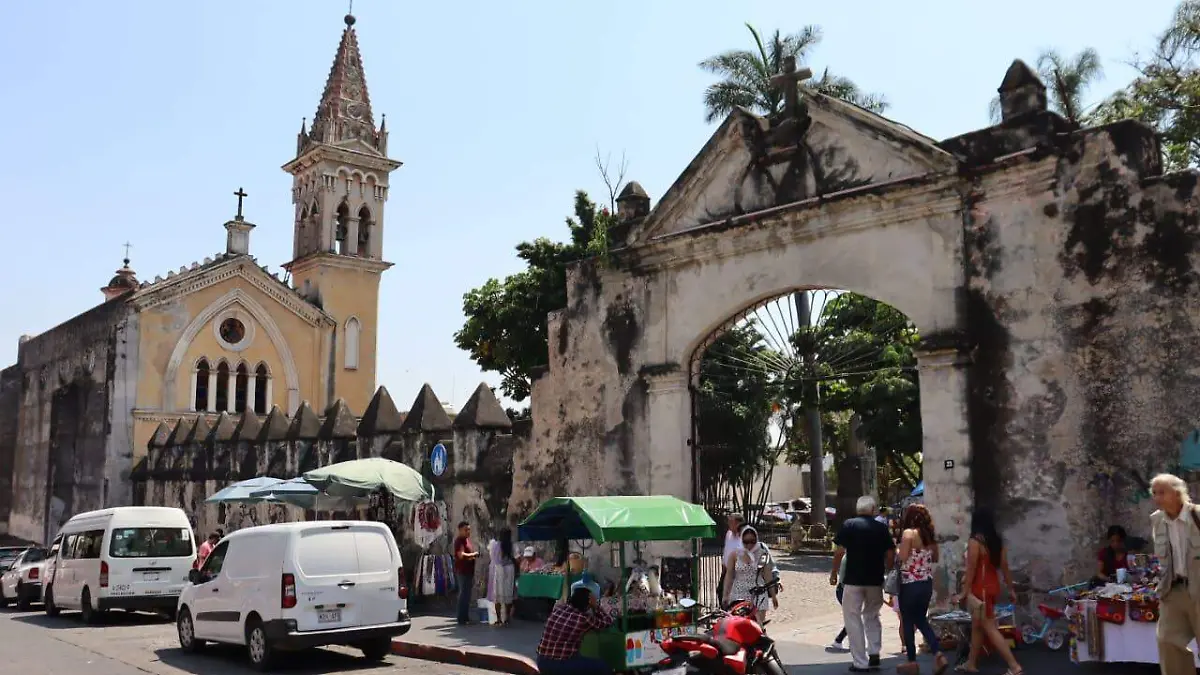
(192,390)
(351,236)
(947,454)
(669,420)
(251,385)
(212,390)
(270,401)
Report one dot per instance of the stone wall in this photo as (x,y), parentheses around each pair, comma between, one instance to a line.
(64,420)
(200,454)
(10,405)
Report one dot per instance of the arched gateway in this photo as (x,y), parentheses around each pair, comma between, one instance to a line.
(981,240)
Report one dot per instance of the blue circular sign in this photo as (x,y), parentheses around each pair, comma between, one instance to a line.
(437,459)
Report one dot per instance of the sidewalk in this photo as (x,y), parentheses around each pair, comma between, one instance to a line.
(512,649)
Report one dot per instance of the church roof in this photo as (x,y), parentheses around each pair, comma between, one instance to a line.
(344,113)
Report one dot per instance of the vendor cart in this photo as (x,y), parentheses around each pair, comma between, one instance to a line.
(956,625)
(624,523)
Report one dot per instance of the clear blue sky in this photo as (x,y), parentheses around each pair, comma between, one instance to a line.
(137,120)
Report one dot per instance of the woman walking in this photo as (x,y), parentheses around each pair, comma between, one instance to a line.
(987,559)
(918,554)
(742,573)
(502,576)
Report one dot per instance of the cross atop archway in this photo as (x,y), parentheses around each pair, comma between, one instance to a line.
(789,80)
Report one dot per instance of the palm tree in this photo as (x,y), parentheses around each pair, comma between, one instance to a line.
(1066,81)
(746,76)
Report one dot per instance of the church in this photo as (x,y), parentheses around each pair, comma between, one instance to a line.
(81,404)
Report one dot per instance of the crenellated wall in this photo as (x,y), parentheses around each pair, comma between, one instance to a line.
(199,454)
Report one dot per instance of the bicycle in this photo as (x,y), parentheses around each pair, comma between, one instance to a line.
(1053,630)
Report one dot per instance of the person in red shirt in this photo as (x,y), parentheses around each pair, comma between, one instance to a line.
(558,651)
(1114,556)
(465,556)
(206,548)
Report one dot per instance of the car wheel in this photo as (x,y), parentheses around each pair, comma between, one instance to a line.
(258,647)
(86,613)
(22,598)
(48,605)
(377,649)
(187,633)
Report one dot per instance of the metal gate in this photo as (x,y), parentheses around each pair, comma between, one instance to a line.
(710,576)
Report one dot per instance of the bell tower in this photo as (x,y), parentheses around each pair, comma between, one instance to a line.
(339,189)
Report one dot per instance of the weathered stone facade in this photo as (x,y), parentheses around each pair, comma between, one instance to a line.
(1050,270)
(200,454)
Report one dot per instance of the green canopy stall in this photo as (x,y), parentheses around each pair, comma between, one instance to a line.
(633,642)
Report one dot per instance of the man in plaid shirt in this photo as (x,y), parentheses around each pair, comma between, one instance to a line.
(558,652)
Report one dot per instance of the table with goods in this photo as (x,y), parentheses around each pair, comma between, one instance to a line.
(644,599)
(1116,622)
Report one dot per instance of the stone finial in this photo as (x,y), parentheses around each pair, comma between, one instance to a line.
(223,430)
(305,425)
(633,202)
(427,413)
(180,433)
(381,416)
(340,423)
(482,411)
(162,433)
(199,431)
(1021,92)
(249,427)
(275,428)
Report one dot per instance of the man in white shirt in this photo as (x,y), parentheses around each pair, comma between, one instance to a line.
(1174,527)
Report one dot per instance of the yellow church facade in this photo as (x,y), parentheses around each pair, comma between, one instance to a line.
(81,404)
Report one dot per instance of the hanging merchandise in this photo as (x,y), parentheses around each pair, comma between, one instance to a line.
(428,588)
(676,575)
(428,521)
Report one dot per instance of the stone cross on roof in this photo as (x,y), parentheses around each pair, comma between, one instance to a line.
(789,80)
(240,194)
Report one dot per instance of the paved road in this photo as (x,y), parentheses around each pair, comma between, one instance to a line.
(134,644)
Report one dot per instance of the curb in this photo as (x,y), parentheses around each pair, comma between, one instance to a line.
(494,661)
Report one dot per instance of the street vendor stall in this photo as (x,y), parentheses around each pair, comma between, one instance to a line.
(645,598)
(1116,623)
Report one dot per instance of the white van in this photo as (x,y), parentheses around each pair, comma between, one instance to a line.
(296,585)
(131,557)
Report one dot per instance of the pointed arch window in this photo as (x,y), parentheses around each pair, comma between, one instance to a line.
(241,383)
(365,225)
(353,336)
(200,386)
(222,388)
(343,224)
(262,390)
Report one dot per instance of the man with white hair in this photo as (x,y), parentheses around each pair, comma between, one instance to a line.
(1175,527)
(872,552)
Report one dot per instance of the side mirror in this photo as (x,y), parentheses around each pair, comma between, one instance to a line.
(687,603)
(195,577)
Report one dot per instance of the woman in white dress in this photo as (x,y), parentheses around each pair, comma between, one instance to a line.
(742,573)
(502,576)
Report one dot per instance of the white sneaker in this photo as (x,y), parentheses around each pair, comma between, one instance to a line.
(835,647)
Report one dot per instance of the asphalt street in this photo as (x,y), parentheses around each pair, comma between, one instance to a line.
(133,644)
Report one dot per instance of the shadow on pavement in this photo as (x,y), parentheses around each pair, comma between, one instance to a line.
(230,659)
(805,563)
(73,620)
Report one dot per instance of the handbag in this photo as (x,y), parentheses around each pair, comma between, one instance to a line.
(891,582)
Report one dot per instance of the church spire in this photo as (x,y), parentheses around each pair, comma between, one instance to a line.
(344,113)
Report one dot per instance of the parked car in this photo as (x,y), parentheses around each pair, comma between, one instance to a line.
(131,557)
(22,581)
(292,586)
(8,554)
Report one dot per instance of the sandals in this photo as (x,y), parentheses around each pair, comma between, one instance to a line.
(962,668)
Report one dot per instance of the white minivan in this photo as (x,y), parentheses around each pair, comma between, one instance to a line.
(130,557)
(292,586)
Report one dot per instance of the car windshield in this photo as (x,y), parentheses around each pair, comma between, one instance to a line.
(151,542)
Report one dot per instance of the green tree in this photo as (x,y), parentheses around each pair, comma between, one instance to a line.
(505,328)
(1067,80)
(736,411)
(1165,94)
(746,76)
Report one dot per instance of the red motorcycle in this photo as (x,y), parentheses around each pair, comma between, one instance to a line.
(735,645)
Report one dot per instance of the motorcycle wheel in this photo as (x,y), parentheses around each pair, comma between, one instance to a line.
(769,667)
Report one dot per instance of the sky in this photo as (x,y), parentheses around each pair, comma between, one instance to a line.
(136,121)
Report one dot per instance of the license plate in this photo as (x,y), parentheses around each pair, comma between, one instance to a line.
(329,616)
(149,576)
